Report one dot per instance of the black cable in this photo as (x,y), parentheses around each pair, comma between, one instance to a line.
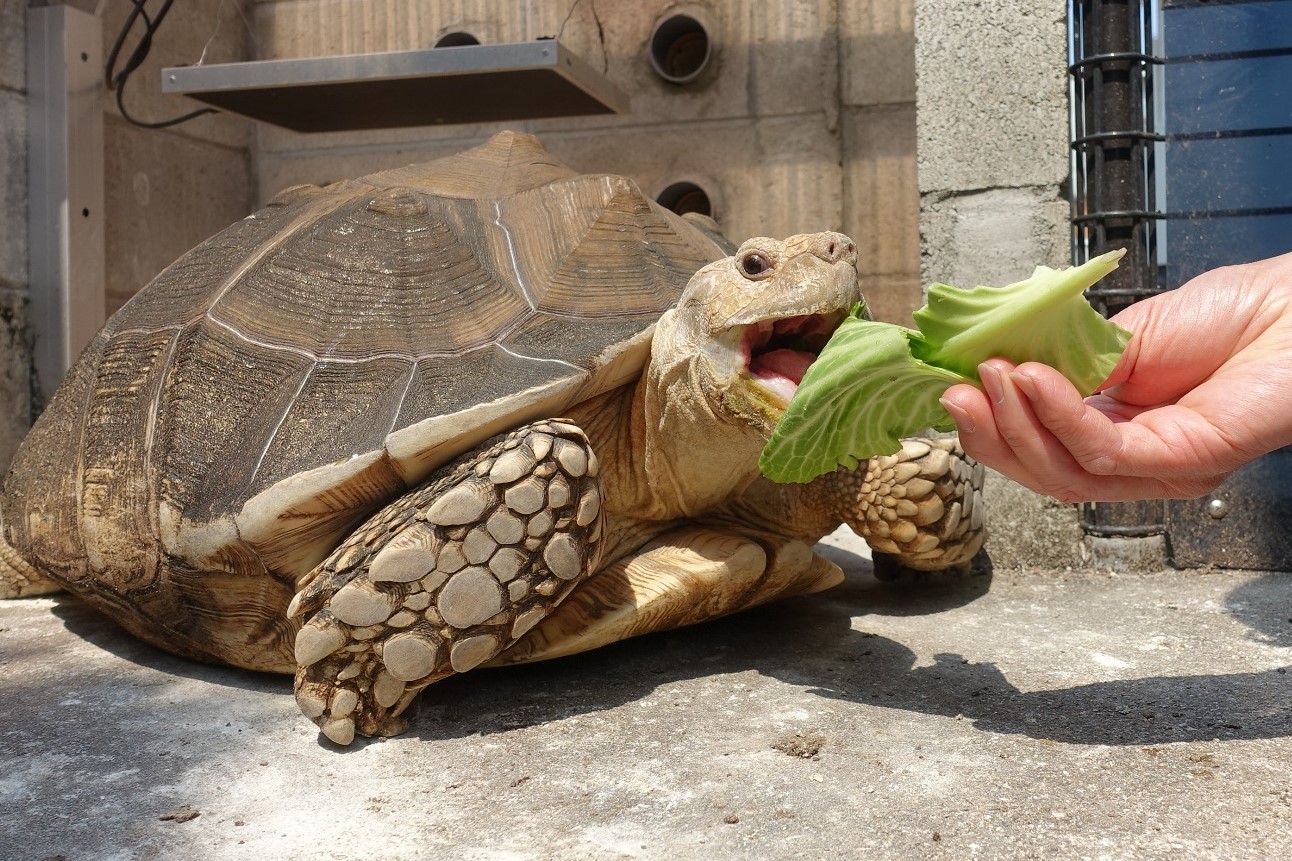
(136,11)
(115,80)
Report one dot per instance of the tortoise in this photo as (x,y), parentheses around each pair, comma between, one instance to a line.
(479,411)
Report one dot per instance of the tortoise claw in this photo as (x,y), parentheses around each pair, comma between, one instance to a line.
(18,579)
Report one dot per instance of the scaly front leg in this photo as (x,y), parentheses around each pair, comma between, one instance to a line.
(920,508)
(446,577)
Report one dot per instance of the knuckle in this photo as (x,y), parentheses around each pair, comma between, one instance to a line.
(1069,495)
(1104,464)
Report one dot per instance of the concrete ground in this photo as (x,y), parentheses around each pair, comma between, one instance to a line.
(1029,714)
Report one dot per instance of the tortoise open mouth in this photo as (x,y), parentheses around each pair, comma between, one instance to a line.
(777,353)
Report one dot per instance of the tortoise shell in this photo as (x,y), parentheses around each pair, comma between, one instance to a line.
(275,385)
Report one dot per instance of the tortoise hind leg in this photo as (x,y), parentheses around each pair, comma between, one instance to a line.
(18,579)
(443,579)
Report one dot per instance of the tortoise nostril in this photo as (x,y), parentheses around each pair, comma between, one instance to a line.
(846,251)
(838,248)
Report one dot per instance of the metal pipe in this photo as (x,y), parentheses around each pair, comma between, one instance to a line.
(683,197)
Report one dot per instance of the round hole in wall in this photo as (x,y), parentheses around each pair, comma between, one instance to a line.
(683,197)
(679,49)
(85,213)
(456,40)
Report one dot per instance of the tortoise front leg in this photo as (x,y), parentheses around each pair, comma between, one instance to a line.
(446,577)
(18,579)
(920,508)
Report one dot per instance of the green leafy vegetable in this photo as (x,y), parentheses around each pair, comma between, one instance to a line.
(875,383)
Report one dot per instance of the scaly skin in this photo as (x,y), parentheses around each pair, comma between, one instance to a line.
(447,577)
(923,505)
(18,579)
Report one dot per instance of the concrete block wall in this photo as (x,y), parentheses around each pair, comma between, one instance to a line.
(881,197)
(992,129)
(992,124)
(804,119)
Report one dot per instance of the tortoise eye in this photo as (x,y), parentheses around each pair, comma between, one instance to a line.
(755,265)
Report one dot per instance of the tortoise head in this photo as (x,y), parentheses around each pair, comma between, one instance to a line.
(726,361)
(748,326)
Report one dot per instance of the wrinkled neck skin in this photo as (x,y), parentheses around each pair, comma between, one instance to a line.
(681,441)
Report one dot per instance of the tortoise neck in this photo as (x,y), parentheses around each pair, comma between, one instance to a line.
(666,453)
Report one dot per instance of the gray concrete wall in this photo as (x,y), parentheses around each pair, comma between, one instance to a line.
(992,122)
(15,347)
(165,190)
(992,127)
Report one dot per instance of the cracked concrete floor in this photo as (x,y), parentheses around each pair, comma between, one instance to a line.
(1015,715)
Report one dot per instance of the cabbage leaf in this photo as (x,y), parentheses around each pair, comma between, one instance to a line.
(875,383)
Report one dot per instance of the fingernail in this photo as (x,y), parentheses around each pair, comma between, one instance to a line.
(1025,383)
(964,421)
(992,383)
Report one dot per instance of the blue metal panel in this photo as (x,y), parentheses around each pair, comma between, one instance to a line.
(1227,114)
(1244,93)
(1211,28)
(1227,186)
(1226,175)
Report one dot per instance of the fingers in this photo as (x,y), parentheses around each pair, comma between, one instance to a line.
(1183,336)
(1031,425)
(1172,443)
(1198,392)
(1008,435)
(1085,433)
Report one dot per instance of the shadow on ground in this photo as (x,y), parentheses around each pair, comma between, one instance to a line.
(1262,605)
(92,626)
(811,642)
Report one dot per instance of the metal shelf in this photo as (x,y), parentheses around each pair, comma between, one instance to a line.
(433,86)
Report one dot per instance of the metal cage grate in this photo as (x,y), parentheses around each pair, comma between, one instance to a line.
(1179,113)
(1111,70)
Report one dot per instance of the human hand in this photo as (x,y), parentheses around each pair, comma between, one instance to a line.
(1204,386)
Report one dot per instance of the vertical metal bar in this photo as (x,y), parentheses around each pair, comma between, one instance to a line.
(1116,178)
(65,186)
(1113,137)
(1112,185)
